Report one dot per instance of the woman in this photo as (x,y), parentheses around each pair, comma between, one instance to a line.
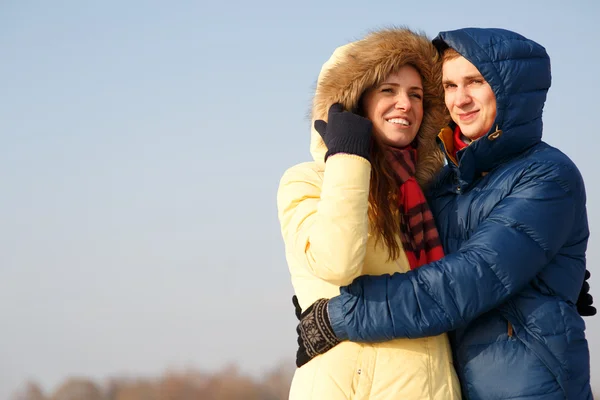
(340,214)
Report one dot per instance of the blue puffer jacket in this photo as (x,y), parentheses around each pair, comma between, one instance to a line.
(513,222)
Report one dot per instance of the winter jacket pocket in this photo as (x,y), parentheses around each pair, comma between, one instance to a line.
(538,361)
(486,378)
(496,360)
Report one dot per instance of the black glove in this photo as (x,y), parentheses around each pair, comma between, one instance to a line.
(345,132)
(585,300)
(297,308)
(315,334)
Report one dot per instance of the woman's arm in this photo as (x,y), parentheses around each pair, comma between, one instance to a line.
(324,219)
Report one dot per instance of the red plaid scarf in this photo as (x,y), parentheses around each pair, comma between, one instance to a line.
(418,233)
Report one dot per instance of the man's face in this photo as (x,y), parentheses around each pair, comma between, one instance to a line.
(469,97)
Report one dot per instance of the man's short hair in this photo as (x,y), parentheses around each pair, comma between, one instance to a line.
(450,54)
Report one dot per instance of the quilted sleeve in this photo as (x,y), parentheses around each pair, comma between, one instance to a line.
(515,242)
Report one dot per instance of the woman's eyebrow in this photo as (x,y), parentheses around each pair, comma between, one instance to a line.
(397,84)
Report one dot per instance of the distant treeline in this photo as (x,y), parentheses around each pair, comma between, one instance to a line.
(228,384)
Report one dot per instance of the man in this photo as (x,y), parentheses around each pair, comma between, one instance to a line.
(511,214)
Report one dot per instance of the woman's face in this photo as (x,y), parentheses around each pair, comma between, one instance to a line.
(396,107)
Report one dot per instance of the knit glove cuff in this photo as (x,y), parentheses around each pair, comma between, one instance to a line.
(315,334)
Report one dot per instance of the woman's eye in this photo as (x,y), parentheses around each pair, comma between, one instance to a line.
(387,90)
(416,96)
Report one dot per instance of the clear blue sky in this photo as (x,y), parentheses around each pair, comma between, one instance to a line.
(142,143)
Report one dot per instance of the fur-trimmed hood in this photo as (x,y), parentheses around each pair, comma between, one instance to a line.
(361,65)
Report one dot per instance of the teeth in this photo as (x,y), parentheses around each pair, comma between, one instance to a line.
(400,121)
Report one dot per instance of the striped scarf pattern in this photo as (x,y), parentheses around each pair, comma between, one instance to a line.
(418,232)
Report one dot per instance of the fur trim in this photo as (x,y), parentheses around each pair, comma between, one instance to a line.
(361,65)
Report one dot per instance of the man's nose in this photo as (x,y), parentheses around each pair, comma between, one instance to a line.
(462,97)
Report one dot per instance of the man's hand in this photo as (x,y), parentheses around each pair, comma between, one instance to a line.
(585,300)
(315,335)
